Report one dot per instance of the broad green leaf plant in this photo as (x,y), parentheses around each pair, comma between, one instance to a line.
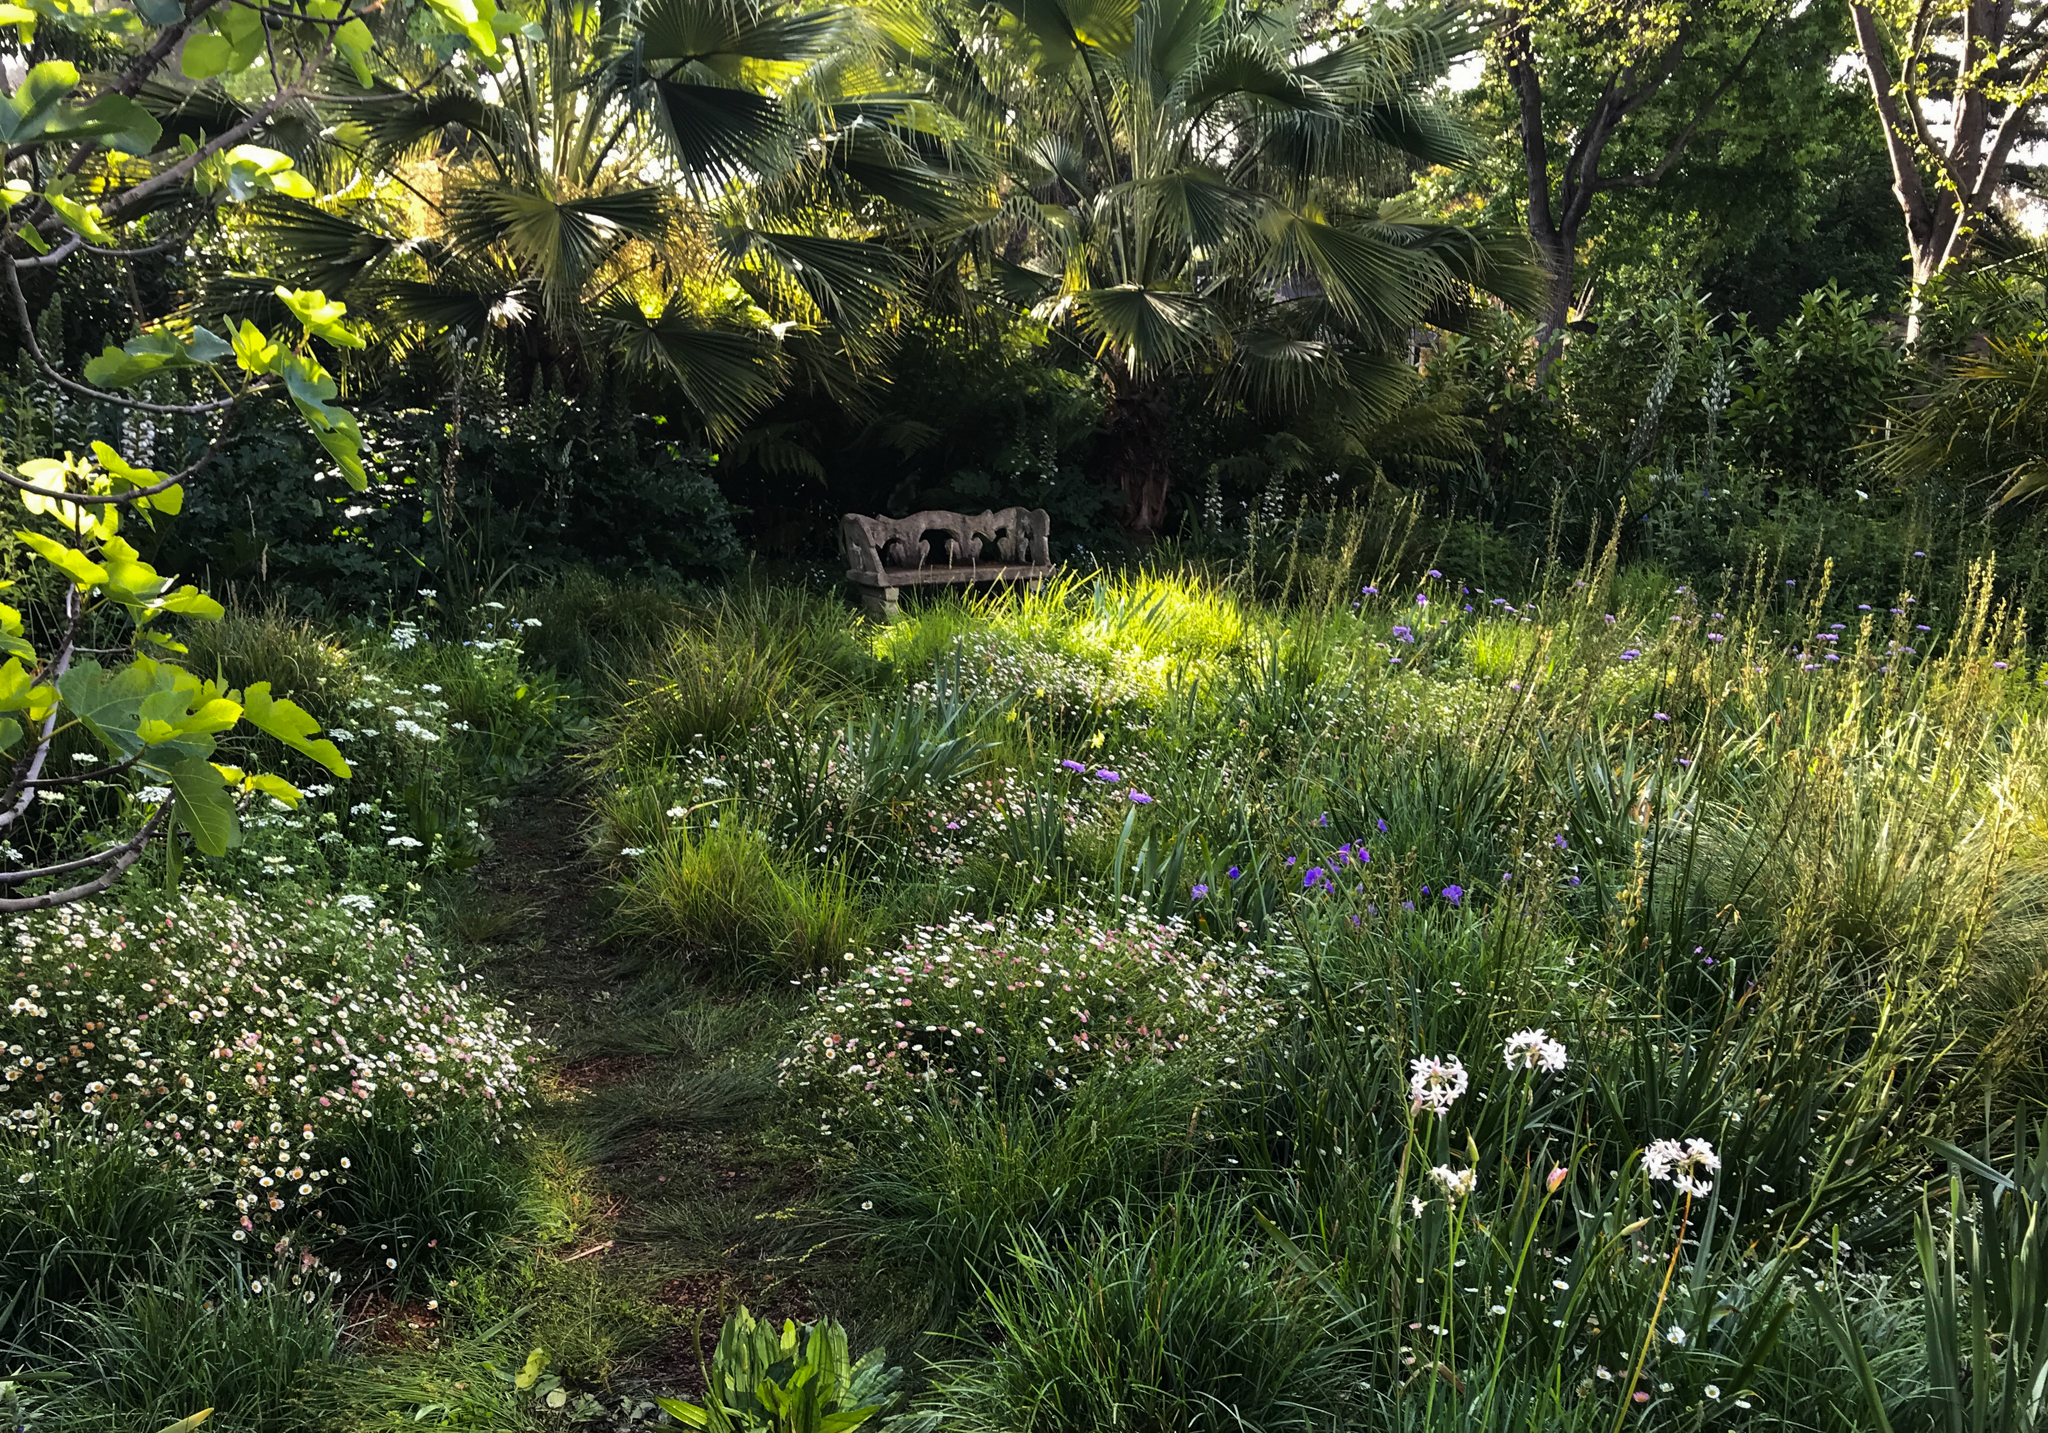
(88,660)
(791,1380)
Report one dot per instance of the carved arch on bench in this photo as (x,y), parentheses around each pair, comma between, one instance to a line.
(1008,536)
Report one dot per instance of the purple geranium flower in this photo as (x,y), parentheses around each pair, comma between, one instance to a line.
(1454,894)
(1141,798)
(1199,892)
(1105,774)
(1312,876)
(1074,766)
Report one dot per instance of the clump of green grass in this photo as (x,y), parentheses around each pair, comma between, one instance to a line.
(1171,1318)
(298,657)
(249,1343)
(722,894)
(419,1199)
(950,1204)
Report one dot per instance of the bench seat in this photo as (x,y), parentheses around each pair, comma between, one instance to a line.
(943,549)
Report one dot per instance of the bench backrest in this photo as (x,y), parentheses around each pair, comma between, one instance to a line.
(1010,536)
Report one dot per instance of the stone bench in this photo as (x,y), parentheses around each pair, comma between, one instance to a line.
(887,554)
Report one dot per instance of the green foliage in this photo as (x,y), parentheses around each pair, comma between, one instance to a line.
(722,893)
(248,1348)
(1152,1319)
(949,1205)
(414,1201)
(1814,390)
(97,1220)
(1980,1260)
(796,1381)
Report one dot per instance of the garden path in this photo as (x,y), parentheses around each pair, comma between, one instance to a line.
(681,1198)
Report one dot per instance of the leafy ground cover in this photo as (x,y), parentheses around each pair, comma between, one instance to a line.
(1142,1005)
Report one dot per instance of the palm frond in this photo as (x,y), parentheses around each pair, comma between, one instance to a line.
(316,248)
(562,242)
(1146,329)
(853,283)
(1367,278)
(717,130)
(726,374)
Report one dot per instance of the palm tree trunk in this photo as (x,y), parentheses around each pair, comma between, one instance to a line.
(1135,450)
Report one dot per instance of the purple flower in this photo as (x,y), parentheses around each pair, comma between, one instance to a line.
(1232,873)
(1404,634)
(1324,819)
(1454,894)
(1354,920)
(1659,716)
(1199,892)
(1407,905)
(1073,766)
(1311,877)
(1140,798)
(1370,590)
(1105,774)
(1560,841)
(1343,853)
(1630,655)
(1421,599)
(1363,855)
(1434,573)
(1290,860)
(1383,825)
(1715,637)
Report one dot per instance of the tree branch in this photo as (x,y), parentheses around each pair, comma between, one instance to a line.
(35,349)
(129,853)
(1906,185)
(1699,116)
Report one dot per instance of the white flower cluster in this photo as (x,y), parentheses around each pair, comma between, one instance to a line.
(235,1040)
(1533,1050)
(975,1003)
(1435,1085)
(1682,1164)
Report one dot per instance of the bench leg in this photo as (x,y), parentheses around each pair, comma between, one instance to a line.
(878,602)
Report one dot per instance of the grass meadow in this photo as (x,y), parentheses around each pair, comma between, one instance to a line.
(1181,999)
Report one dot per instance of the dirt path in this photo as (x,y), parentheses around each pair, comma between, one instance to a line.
(682,1197)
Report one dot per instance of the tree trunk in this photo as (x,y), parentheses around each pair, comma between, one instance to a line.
(1135,451)
(1995,89)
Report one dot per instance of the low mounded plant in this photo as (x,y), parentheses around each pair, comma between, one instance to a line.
(240,1042)
(978,1006)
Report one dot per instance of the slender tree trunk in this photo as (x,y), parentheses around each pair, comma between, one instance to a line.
(1996,87)
(1135,450)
